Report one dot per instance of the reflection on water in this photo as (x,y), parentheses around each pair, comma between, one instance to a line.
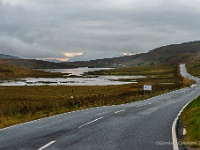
(86,81)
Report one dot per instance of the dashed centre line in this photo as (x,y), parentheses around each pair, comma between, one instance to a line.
(90,122)
(120,111)
(144,104)
(103,113)
(47,145)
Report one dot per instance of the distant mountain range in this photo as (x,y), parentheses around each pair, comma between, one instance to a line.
(8,56)
(87,57)
(84,57)
(171,54)
(35,64)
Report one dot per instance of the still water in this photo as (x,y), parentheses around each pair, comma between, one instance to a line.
(83,81)
(77,71)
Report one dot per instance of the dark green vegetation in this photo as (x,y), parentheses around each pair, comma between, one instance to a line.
(21,104)
(194,68)
(191,119)
(13,72)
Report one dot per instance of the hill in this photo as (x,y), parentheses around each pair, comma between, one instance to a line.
(171,54)
(8,71)
(35,64)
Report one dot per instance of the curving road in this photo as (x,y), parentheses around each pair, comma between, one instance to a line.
(135,126)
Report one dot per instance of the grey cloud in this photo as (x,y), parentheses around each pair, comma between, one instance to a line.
(50,28)
(14,46)
(20,33)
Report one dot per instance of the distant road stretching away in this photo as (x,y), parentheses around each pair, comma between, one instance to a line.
(143,125)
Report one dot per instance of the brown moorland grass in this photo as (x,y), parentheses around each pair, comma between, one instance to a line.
(8,71)
(194,68)
(139,70)
(26,103)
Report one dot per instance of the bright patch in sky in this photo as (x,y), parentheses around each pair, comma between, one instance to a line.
(69,55)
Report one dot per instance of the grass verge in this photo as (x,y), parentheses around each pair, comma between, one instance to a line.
(190,118)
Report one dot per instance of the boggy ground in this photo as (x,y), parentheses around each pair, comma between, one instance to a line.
(26,103)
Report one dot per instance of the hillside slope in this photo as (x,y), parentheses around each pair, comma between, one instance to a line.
(35,64)
(171,54)
(8,71)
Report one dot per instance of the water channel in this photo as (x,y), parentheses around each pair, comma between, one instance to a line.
(79,80)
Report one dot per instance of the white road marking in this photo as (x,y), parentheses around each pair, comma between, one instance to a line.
(47,145)
(90,122)
(119,111)
(103,113)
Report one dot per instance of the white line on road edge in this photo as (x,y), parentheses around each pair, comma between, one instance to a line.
(119,111)
(174,137)
(91,122)
(47,145)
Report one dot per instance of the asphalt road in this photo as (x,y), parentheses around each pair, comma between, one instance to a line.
(143,125)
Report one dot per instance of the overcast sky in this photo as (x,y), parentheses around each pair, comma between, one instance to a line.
(102,28)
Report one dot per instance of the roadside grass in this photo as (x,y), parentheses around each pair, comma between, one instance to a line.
(26,103)
(191,119)
(191,114)
(194,68)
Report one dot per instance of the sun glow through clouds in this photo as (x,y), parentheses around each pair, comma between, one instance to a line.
(70,55)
